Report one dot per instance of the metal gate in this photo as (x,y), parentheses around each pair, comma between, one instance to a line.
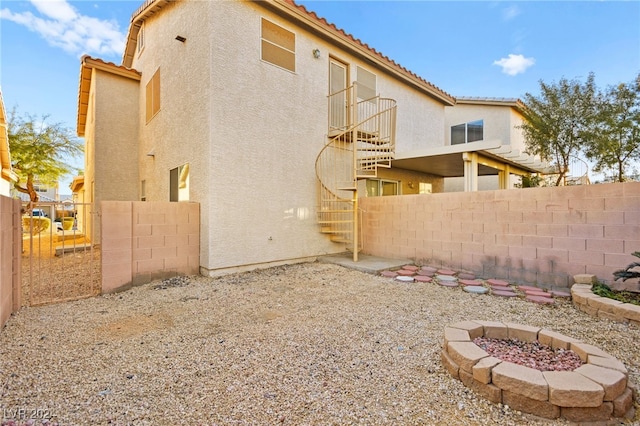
(60,253)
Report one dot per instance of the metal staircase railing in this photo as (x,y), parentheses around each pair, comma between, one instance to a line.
(362,136)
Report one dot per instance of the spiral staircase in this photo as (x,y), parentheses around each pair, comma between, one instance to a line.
(361,139)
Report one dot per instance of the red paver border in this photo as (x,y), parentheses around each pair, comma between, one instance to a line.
(597,391)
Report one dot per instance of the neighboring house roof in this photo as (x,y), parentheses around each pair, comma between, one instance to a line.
(310,21)
(87,65)
(447,160)
(41,198)
(5,156)
(77,184)
(506,152)
(512,102)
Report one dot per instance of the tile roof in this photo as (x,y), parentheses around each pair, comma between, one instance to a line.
(475,100)
(291,8)
(87,63)
(365,46)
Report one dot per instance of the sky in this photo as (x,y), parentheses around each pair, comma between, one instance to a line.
(501,49)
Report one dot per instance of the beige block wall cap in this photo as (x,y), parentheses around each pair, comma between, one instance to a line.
(585,279)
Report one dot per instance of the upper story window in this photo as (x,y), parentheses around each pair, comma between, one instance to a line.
(153,96)
(467,132)
(366,84)
(278,46)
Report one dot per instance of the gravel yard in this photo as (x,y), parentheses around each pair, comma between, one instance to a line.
(307,344)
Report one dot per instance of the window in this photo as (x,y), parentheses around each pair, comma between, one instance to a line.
(140,43)
(378,187)
(143,190)
(278,46)
(468,132)
(179,183)
(425,188)
(153,96)
(366,84)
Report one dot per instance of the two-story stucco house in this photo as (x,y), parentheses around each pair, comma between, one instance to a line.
(247,108)
(494,123)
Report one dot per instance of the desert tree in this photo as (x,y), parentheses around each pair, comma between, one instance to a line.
(40,152)
(557,119)
(613,141)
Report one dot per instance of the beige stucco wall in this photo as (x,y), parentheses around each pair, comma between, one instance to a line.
(517,136)
(499,122)
(249,130)
(115,137)
(534,235)
(420,120)
(180,132)
(111,135)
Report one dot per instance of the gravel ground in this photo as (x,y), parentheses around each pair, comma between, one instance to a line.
(47,278)
(308,344)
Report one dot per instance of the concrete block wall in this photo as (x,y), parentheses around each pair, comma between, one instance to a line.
(541,236)
(10,257)
(143,241)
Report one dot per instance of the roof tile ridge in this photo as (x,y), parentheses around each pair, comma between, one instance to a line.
(365,45)
(107,63)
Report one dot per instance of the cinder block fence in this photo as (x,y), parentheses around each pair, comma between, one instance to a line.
(10,257)
(143,241)
(533,235)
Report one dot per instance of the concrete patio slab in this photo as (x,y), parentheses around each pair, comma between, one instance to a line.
(369,264)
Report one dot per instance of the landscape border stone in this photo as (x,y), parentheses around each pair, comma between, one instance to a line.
(602,307)
(597,391)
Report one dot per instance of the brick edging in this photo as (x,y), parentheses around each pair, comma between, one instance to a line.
(597,391)
(603,307)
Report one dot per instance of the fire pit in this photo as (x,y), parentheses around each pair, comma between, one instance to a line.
(595,388)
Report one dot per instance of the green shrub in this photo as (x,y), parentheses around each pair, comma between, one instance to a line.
(36,224)
(623,296)
(628,272)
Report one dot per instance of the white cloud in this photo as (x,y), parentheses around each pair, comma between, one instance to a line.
(508,13)
(58,10)
(62,26)
(515,64)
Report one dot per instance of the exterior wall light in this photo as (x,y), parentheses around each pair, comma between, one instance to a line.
(316,53)
(181,39)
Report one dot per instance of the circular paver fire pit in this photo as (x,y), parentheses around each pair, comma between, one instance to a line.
(598,390)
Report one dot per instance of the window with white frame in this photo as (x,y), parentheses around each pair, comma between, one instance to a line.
(425,188)
(278,46)
(382,187)
(467,132)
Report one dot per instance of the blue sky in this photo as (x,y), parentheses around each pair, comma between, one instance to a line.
(471,48)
